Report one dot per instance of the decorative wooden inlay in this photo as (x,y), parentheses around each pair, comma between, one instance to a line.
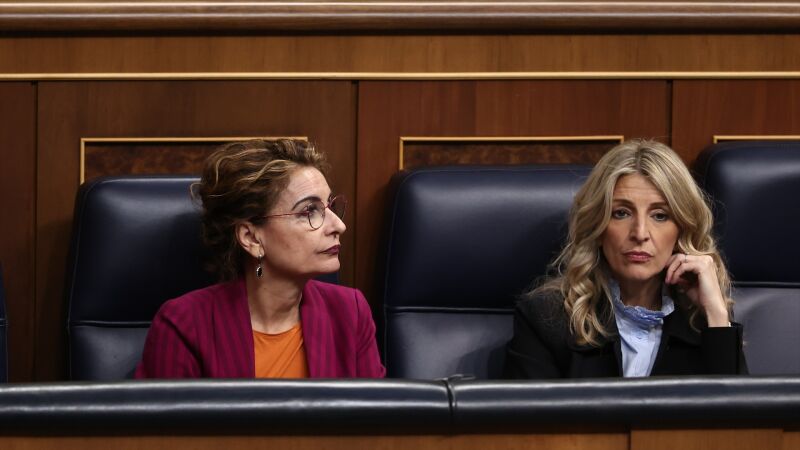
(149,155)
(432,151)
(765,137)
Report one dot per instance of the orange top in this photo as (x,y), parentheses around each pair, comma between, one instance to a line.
(281,355)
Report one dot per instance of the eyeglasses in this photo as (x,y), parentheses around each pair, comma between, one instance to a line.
(315,211)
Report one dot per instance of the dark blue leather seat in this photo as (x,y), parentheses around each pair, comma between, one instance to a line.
(3,342)
(754,188)
(464,242)
(135,244)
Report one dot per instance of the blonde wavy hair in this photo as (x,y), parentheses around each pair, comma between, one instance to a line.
(581,272)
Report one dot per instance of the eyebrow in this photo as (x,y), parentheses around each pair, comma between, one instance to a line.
(305,199)
(627,202)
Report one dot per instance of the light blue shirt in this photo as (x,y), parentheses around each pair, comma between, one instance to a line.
(639,332)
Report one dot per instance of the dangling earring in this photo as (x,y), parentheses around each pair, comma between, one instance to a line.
(259,269)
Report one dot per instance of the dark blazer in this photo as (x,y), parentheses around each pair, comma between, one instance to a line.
(207,333)
(543,347)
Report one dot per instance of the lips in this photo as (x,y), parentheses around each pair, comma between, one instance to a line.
(638,257)
(334,250)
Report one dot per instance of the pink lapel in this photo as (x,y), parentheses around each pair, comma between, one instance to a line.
(317,333)
(234,339)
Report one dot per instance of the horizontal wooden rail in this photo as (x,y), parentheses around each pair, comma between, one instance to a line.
(94,16)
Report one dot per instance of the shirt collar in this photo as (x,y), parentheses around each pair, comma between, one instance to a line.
(638,315)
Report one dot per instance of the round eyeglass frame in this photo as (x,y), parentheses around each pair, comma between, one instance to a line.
(305,212)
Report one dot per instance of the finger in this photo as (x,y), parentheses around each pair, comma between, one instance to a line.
(699,266)
(686,273)
(674,262)
(677,259)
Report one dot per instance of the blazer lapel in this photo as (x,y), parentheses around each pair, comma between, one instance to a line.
(234,334)
(676,326)
(613,338)
(610,344)
(317,333)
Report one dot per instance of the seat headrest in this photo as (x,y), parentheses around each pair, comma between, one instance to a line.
(135,244)
(754,188)
(475,237)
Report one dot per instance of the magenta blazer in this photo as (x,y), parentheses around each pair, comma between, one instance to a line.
(207,333)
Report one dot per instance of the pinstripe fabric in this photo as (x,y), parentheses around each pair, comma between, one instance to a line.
(207,333)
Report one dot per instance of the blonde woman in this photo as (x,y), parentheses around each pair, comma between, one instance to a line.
(640,288)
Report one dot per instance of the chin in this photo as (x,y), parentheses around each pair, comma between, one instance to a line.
(639,276)
(330,267)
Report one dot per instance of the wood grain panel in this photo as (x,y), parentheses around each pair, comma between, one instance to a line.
(323,111)
(378,15)
(791,440)
(400,53)
(550,441)
(704,108)
(419,152)
(389,110)
(741,439)
(17,210)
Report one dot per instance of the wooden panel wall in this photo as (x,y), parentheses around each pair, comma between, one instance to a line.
(637,439)
(707,108)
(17,205)
(415,54)
(69,111)
(551,441)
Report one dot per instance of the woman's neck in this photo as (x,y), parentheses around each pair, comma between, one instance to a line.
(274,302)
(646,294)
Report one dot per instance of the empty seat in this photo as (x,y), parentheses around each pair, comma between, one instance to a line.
(463,243)
(754,188)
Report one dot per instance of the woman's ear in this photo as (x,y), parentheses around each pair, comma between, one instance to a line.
(248,239)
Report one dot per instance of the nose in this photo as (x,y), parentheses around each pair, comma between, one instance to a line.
(334,223)
(639,231)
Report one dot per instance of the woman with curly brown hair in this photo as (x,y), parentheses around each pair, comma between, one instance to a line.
(272,225)
(640,288)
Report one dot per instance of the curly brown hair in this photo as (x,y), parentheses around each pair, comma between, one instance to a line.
(241,181)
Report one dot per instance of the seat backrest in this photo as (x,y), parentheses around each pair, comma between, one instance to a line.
(3,326)
(463,244)
(135,244)
(754,187)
